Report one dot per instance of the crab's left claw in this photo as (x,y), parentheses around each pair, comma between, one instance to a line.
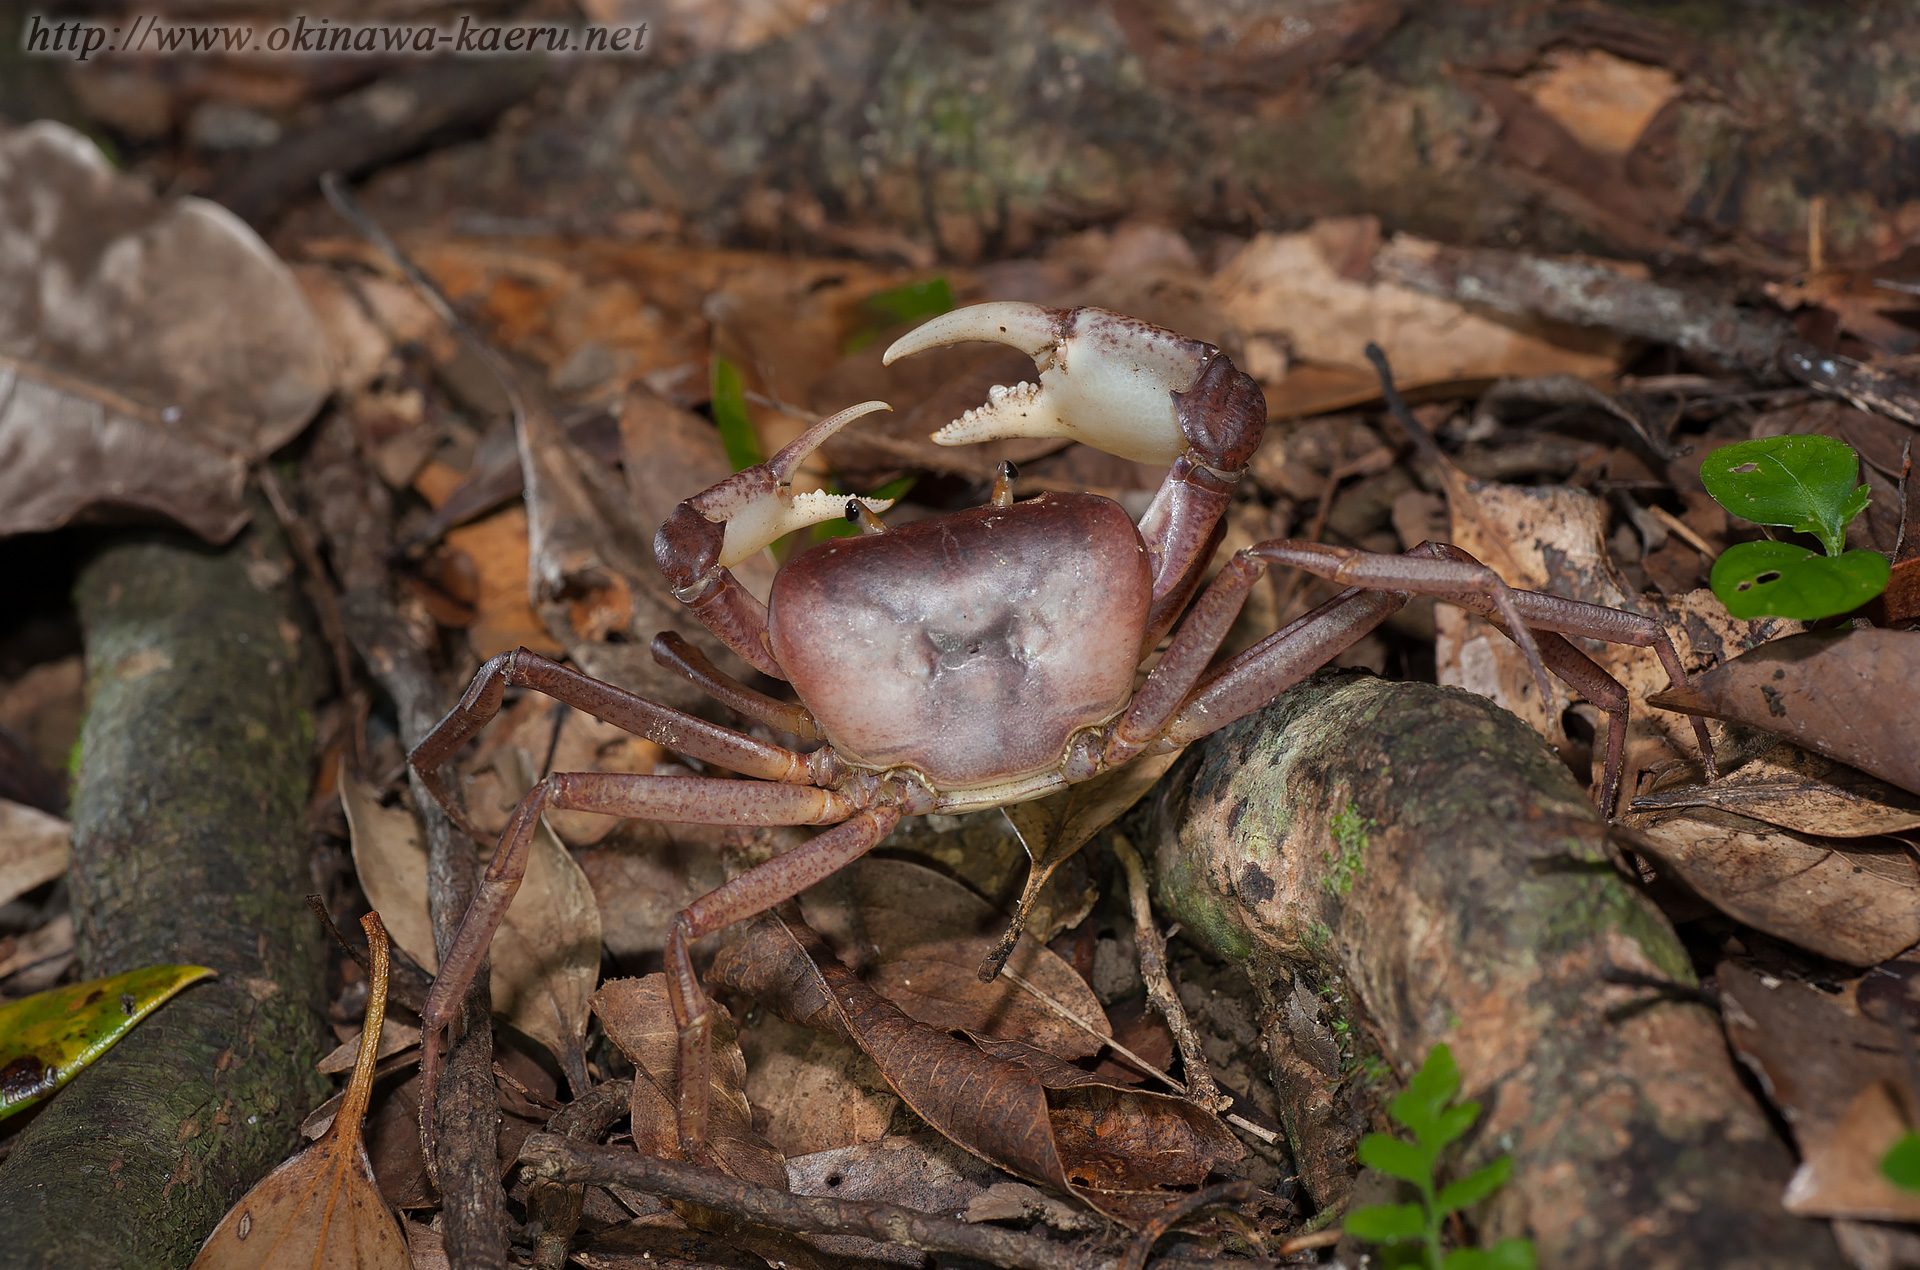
(1114,382)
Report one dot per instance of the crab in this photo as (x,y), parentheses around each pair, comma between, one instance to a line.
(975,659)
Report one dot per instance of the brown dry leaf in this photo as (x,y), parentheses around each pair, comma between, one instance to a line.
(1858,903)
(1010,1104)
(817,1093)
(43,708)
(149,350)
(581,744)
(546,954)
(924,1172)
(503,620)
(36,959)
(1812,1051)
(919,938)
(1847,694)
(1794,789)
(394,1037)
(33,849)
(639,1020)
(1307,310)
(644,873)
(1842,1178)
(321,1208)
(1604,101)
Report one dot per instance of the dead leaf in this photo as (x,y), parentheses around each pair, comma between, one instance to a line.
(546,954)
(644,873)
(1306,323)
(394,1037)
(1843,693)
(1812,1052)
(817,1092)
(1859,904)
(503,619)
(1605,102)
(639,1020)
(1794,789)
(149,350)
(1842,1178)
(1010,1104)
(321,1208)
(924,1172)
(919,937)
(33,849)
(35,960)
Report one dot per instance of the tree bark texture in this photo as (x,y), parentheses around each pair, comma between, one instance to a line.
(189,846)
(974,129)
(1415,863)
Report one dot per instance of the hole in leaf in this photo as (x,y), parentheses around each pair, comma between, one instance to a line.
(1745,468)
(834,1179)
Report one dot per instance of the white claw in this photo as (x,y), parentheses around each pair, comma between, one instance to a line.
(1105,379)
(1032,328)
(767,520)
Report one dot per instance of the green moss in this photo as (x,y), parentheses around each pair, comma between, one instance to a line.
(1344,862)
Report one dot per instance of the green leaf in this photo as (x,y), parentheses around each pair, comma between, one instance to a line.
(1508,1254)
(1450,1124)
(45,1039)
(1387,1223)
(1397,1159)
(1419,1105)
(914,302)
(737,432)
(1474,1187)
(1806,483)
(1781,579)
(1901,1163)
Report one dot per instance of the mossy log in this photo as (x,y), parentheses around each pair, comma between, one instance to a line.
(189,846)
(1399,865)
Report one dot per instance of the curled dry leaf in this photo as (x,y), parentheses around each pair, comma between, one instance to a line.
(1842,1177)
(546,955)
(1846,694)
(639,1020)
(149,349)
(1794,789)
(1010,1104)
(321,1209)
(918,938)
(1854,902)
(33,849)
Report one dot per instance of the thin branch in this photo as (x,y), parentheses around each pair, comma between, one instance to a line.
(1179,1211)
(558,1159)
(1160,994)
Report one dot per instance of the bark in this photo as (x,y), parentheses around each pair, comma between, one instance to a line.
(977,129)
(189,846)
(1417,863)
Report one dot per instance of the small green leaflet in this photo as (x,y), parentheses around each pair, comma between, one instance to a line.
(1784,579)
(45,1039)
(1805,483)
(737,432)
(886,309)
(1901,1163)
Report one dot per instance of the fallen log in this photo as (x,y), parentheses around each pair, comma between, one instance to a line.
(1398,865)
(189,846)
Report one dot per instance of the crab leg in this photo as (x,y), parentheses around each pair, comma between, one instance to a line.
(523,668)
(680,799)
(753,892)
(677,654)
(1131,389)
(739,517)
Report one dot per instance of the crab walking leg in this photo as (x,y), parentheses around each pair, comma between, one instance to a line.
(1423,575)
(741,516)
(753,892)
(523,668)
(683,799)
(1280,661)
(676,654)
(1587,621)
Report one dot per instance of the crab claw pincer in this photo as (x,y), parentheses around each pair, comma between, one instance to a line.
(1113,382)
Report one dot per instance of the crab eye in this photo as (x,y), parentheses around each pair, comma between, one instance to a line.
(853,511)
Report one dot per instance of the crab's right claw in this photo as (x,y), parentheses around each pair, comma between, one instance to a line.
(1114,382)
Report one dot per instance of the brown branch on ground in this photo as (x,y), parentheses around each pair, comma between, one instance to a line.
(1160,993)
(355,516)
(555,1207)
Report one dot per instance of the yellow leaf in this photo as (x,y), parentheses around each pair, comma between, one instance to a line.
(45,1039)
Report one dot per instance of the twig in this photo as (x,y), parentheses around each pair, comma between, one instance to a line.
(555,1207)
(1160,994)
(559,1159)
(1680,528)
(324,594)
(1318,1239)
(1041,995)
(1179,1211)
